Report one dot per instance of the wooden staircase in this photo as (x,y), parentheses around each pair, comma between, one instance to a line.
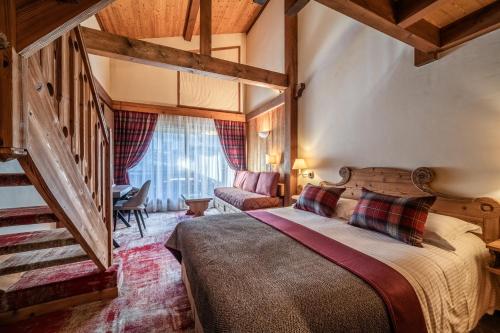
(52,123)
(33,252)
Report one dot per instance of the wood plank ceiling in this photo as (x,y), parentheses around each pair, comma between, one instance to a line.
(166,18)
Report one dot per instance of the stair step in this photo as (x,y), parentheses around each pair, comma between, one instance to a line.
(23,295)
(36,240)
(26,215)
(27,261)
(14,179)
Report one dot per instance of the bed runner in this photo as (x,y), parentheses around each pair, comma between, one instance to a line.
(403,306)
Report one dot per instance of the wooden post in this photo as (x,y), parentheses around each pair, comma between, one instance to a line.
(11,138)
(291,110)
(206,27)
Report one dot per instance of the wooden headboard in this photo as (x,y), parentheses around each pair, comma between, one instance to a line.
(484,212)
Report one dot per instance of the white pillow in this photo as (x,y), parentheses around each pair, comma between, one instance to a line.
(345,208)
(440,230)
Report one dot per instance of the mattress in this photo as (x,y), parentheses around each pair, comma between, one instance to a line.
(453,287)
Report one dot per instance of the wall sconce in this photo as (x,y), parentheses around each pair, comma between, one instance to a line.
(264,134)
(300,165)
(271,159)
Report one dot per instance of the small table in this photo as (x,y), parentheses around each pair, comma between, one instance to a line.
(120,191)
(197,204)
(495,250)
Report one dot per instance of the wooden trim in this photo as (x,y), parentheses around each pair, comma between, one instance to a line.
(178,110)
(266,107)
(378,15)
(11,111)
(191,18)
(123,48)
(291,105)
(93,90)
(471,26)
(213,49)
(33,32)
(410,12)
(294,7)
(206,27)
(103,94)
(60,304)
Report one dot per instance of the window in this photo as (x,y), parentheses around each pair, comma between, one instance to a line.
(185,157)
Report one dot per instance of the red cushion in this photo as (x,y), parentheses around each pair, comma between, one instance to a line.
(319,200)
(268,183)
(239,178)
(401,218)
(251,181)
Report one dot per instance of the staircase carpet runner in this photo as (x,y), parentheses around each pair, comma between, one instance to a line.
(26,215)
(27,261)
(35,240)
(34,287)
(14,179)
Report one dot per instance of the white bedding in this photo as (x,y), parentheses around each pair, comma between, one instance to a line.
(454,288)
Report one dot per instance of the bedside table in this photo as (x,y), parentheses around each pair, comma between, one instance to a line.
(494,247)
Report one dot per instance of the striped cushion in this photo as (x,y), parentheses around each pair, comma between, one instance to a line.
(319,200)
(401,218)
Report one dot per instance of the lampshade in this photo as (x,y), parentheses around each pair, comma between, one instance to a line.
(270,159)
(299,164)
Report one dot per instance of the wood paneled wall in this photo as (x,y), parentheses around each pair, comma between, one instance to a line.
(274,144)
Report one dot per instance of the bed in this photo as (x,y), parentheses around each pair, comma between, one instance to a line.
(249,272)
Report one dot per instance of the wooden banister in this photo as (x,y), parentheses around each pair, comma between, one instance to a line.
(57,122)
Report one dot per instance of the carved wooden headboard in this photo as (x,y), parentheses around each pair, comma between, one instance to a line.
(481,211)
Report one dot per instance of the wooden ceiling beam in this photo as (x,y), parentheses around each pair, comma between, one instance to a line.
(191,18)
(295,6)
(138,51)
(266,107)
(41,22)
(178,111)
(206,27)
(410,12)
(471,26)
(381,16)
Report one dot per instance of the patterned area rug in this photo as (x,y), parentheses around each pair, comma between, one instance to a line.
(152,297)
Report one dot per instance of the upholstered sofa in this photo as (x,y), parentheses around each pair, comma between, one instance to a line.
(250,191)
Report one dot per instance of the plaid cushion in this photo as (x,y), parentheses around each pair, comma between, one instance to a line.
(319,200)
(401,218)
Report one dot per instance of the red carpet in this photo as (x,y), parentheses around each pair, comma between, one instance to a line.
(152,297)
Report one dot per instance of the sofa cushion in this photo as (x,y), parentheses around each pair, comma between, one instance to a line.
(245,200)
(239,178)
(268,183)
(251,181)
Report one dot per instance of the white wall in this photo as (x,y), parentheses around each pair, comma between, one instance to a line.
(266,49)
(365,104)
(146,84)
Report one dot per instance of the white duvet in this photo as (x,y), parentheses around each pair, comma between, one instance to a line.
(454,287)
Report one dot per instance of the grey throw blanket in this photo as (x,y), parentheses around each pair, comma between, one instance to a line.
(246,276)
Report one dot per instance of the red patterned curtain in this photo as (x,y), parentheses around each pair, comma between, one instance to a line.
(232,135)
(132,136)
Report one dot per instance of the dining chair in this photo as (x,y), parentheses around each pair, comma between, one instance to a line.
(135,205)
(132,193)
